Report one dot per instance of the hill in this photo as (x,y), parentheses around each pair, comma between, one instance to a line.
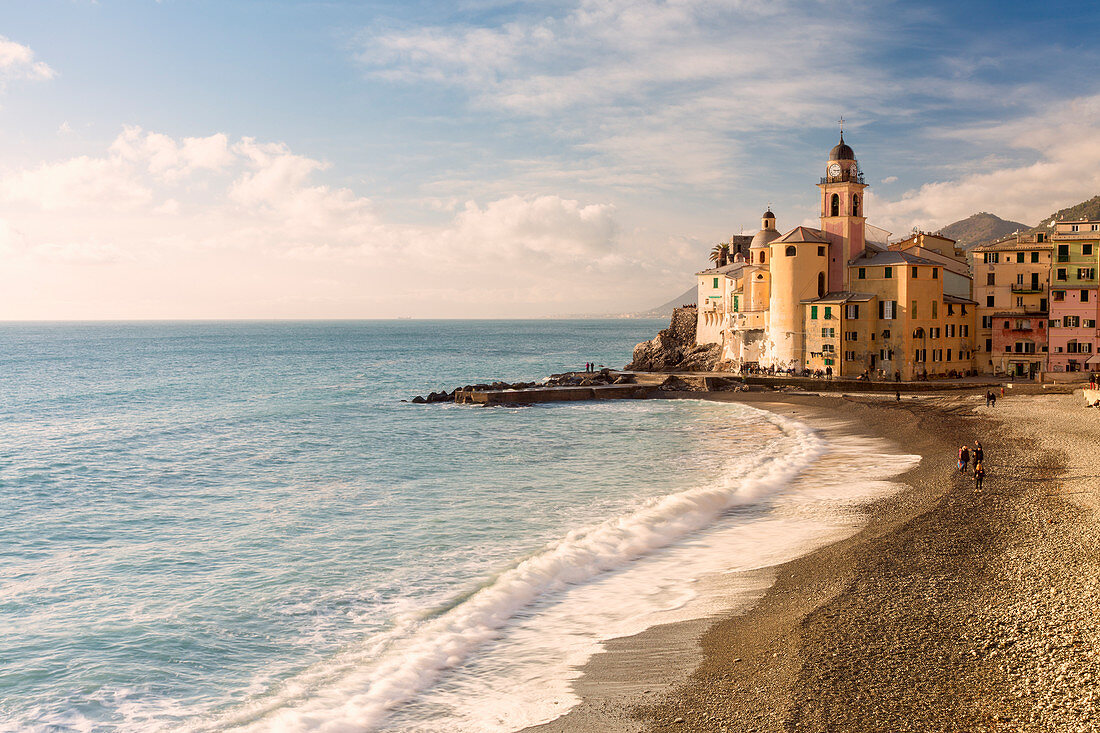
(665,310)
(1085,210)
(981,228)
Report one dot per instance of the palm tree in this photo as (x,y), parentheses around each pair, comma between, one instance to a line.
(720,254)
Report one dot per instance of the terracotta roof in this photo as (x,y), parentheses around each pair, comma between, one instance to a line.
(956,299)
(724,270)
(891,257)
(803,234)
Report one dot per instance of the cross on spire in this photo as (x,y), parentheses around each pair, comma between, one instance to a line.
(841,122)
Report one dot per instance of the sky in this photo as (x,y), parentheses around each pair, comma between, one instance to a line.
(206,159)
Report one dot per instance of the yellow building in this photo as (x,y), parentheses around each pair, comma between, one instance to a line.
(839,300)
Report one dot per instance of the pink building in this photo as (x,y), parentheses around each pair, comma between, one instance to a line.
(1072,328)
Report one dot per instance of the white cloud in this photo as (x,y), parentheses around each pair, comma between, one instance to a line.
(209,214)
(1064,146)
(17,62)
(890,179)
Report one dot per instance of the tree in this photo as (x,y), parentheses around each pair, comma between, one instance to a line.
(720,254)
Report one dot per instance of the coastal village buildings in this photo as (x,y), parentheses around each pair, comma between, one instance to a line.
(1037,295)
(839,299)
(1012,287)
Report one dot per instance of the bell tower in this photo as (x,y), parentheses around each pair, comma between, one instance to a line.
(842,219)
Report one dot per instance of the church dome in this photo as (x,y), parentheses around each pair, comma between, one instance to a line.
(841,151)
(763,238)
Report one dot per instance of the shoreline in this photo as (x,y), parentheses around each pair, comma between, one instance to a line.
(909,623)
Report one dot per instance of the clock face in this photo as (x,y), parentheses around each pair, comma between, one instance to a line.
(834,169)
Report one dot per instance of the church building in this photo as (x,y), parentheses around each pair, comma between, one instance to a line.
(840,298)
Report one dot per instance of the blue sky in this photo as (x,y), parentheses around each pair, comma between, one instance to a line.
(193,159)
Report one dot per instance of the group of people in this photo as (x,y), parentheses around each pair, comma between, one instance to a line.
(975,455)
(990,399)
(589,366)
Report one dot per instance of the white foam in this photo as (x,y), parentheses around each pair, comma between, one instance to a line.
(357,690)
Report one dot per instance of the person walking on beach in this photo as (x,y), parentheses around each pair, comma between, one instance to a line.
(964,458)
(977,455)
(979,475)
(992,399)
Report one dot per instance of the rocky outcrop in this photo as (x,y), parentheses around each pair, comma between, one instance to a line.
(674,349)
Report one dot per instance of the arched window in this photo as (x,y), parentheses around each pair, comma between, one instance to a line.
(835,207)
(761,258)
(855,205)
(790,251)
(820,284)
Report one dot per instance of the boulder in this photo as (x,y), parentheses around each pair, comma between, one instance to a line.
(419,400)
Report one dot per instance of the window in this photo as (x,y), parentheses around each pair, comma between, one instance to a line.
(886,334)
(761,258)
(990,257)
(887,272)
(950,309)
(715,282)
(1055,322)
(1071,321)
(887,310)
(862,273)
(1019,256)
(849,356)
(828,348)
(1020,279)
(935,310)
(1058,295)
(851,336)
(851,311)
(935,273)
(989,301)
(1043,304)
(886,354)
(1090,323)
(950,330)
(1019,302)
(736,309)
(989,344)
(1086,249)
(1094,227)
(1061,273)
(813,312)
(790,251)
(820,251)
(828,312)
(987,321)
(1063,252)
(990,279)
(821,285)
(1006,324)
(1034,256)
(855,205)
(914,273)
(913,310)
(834,206)
(1073,227)
(1084,296)
(1086,273)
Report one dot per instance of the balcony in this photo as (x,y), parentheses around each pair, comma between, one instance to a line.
(1029,288)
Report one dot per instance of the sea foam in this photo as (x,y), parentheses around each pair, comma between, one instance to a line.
(359,688)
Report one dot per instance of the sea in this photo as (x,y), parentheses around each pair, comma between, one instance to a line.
(227,526)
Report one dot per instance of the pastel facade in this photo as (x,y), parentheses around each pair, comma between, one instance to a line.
(1073,296)
(1012,289)
(839,299)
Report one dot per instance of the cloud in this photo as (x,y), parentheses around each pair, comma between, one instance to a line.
(213,207)
(1061,152)
(890,179)
(17,62)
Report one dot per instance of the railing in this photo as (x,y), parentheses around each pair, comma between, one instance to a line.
(844,177)
(1028,288)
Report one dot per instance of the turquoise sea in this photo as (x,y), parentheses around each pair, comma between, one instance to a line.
(222,526)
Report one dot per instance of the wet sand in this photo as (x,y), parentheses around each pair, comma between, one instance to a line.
(951,610)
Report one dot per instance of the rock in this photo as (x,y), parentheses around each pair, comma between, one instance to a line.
(674,348)
(419,400)
(624,379)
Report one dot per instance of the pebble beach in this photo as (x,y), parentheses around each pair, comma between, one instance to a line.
(952,610)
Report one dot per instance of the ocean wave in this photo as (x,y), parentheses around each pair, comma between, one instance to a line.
(358,689)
